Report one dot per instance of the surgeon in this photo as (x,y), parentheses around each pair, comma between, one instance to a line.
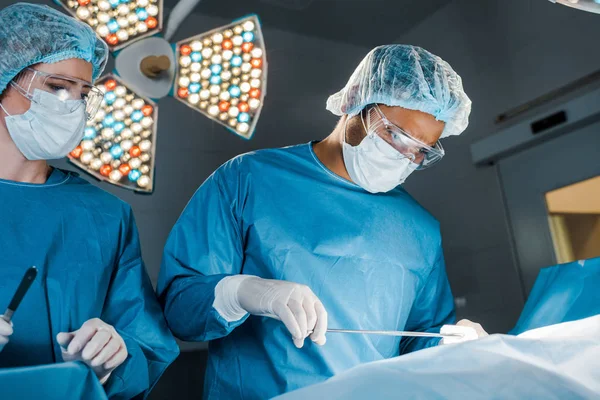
(278,245)
(92,300)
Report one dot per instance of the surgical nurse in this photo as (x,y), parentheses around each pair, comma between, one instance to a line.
(92,300)
(292,241)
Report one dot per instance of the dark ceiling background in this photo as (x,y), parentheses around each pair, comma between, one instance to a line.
(361,22)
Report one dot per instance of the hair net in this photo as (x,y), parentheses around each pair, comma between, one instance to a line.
(32,34)
(408,77)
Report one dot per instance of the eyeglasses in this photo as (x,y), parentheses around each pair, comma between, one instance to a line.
(407,146)
(63,87)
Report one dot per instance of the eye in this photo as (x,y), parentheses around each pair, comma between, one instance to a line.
(56,88)
(395,136)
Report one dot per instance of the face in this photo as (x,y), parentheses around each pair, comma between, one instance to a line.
(421,126)
(15,103)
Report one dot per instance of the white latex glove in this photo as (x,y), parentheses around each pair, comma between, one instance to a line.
(97,344)
(293,304)
(6,329)
(469,330)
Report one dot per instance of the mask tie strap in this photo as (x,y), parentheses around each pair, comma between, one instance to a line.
(4,109)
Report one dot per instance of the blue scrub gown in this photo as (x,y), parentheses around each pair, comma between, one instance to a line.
(85,244)
(375,261)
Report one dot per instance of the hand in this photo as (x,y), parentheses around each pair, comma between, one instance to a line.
(469,330)
(97,344)
(481,333)
(293,304)
(6,329)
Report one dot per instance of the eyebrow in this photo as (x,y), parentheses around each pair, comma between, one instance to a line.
(70,81)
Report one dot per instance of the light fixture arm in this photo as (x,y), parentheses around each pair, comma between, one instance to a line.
(178,15)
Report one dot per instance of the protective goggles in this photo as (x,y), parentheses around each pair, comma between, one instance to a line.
(407,146)
(63,87)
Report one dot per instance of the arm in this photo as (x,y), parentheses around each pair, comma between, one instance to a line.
(205,246)
(132,309)
(433,307)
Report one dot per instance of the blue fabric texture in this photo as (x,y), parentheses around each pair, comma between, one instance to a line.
(562,293)
(33,34)
(65,381)
(374,260)
(85,242)
(408,77)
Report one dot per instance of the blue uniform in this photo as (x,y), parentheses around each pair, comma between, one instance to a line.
(85,244)
(375,261)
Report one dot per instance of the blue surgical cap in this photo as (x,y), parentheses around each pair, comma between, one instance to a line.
(408,77)
(32,34)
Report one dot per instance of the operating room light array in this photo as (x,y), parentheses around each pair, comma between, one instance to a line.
(119,142)
(222,74)
(118,22)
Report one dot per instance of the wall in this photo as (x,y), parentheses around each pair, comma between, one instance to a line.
(507,52)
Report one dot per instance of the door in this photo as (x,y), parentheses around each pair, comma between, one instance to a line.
(547,192)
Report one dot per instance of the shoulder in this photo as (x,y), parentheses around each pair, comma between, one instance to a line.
(262,159)
(267,156)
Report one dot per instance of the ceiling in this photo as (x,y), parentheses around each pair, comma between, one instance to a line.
(361,22)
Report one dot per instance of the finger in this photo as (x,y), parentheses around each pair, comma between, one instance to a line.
(6,328)
(478,328)
(296,307)
(96,344)
(289,320)
(311,315)
(111,348)
(117,359)
(81,338)
(63,339)
(318,336)
(480,331)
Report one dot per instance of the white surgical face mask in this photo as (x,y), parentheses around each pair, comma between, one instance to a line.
(50,129)
(375,165)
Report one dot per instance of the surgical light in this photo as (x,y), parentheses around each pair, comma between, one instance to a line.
(119,145)
(118,22)
(231,82)
(221,74)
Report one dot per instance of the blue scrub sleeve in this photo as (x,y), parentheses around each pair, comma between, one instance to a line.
(433,308)
(205,246)
(133,310)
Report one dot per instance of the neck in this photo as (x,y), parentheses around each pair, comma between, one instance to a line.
(15,167)
(329,150)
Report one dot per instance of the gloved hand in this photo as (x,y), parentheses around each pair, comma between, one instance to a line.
(469,330)
(6,330)
(293,304)
(97,344)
